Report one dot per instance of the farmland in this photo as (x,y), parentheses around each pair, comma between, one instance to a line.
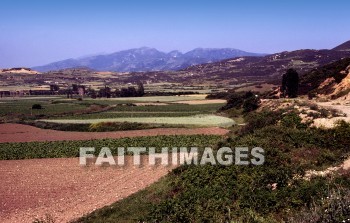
(199,120)
(38,151)
(62,190)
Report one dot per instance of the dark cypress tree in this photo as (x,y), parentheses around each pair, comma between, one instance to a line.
(290,83)
(140,89)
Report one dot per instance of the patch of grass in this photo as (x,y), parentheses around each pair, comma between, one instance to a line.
(102,127)
(24,108)
(161,98)
(64,149)
(198,120)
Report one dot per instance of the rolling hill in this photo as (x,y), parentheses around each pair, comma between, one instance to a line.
(269,67)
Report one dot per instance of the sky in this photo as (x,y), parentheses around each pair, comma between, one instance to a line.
(38,32)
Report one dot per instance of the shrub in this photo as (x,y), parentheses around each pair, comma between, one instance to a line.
(333,208)
(246,100)
(258,120)
(291,120)
(37,106)
(117,126)
(251,104)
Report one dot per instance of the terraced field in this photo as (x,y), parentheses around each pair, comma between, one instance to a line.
(198,120)
(39,169)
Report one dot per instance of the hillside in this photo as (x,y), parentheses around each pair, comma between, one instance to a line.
(268,67)
(18,70)
(331,80)
(343,47)
(146,59)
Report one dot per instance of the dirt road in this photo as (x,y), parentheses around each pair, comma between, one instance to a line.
(330,122)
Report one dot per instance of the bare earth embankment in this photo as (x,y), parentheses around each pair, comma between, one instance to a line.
(61,188)
(25,133)
(330,122)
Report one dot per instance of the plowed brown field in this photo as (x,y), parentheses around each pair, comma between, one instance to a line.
(31,189)
(26,133)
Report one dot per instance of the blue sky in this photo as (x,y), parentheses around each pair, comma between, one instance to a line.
(37,32)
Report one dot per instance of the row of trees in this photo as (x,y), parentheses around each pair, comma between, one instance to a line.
(107,92)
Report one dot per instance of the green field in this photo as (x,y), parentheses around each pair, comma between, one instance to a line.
(161,98)
(59,105)
(198,120)
(62,149)
(23,106)
(169,110)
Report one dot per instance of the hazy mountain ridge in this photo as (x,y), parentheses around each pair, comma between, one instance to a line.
(233,71)
(147,59)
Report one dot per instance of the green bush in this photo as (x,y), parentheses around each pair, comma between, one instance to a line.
(246,100)
(258,120)
(117,126)
(37,106)
(292,120)
(251,104)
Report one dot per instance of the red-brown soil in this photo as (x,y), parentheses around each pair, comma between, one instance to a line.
(25,133)
(61,188)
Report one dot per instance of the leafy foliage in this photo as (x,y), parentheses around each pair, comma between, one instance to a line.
(246,100)
(290,83)
(61,149)
(37,106)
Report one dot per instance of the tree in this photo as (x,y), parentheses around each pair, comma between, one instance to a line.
(140,89)
(290,83)
(105,92)
(54,87)
(132,91)
(92,93)
(69,93)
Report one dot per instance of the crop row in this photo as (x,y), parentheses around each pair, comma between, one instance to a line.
(63,149)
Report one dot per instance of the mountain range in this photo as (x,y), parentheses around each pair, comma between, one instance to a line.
(243,69)
(147,59)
